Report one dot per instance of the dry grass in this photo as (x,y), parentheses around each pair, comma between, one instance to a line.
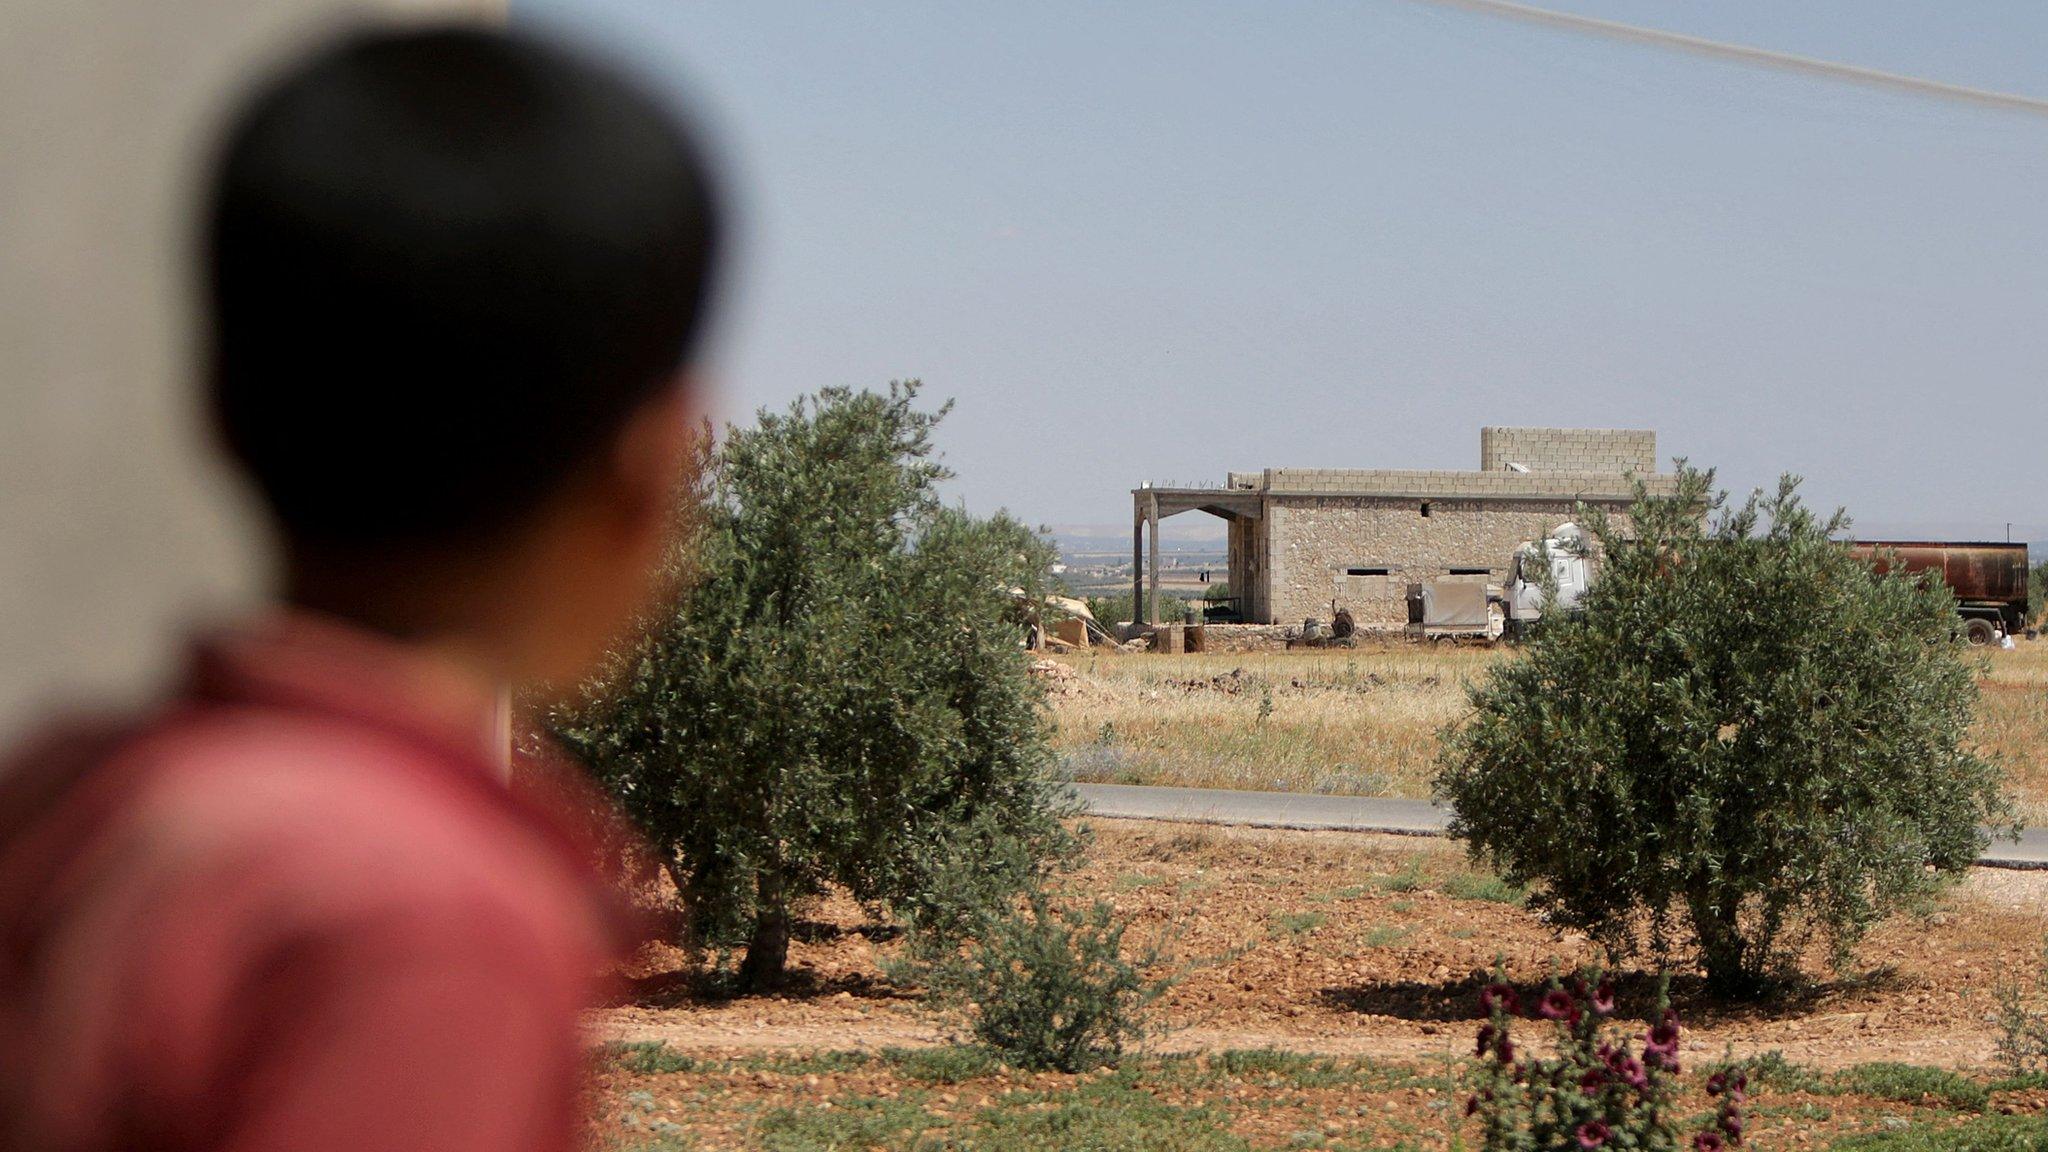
(2012,723)
(1358,721)
(1364,721)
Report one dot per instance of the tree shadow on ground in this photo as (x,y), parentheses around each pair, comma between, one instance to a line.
(826,932)
(1457,999)
(702,983)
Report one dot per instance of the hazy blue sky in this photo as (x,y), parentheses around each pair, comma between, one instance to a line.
(1157,242)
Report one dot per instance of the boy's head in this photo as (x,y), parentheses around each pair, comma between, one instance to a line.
(454,277)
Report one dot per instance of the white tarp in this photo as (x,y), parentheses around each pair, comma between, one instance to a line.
(1448,605)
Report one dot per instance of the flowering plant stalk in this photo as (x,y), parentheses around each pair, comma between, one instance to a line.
(1602,1089)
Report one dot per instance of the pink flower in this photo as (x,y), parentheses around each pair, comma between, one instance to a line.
(1593,1134)
(1603,998)
(1628,1070)
(1499,998)
(1707,1142)
(1556,1005)
(1717,1083)
(1494,1040)
(1594,1080)
(1664,1033)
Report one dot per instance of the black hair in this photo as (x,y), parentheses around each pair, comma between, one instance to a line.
(444,265)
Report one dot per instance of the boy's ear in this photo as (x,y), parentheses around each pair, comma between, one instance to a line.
(651,453)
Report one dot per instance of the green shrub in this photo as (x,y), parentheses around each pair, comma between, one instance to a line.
(1772,1070)
(2022,1025)
(1050,988)
(836,697)
(1114,609)
(1743,727)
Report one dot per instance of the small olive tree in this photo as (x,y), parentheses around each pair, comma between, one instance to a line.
(1743,726)
(837,694)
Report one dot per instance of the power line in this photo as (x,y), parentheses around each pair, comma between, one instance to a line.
(1745,54)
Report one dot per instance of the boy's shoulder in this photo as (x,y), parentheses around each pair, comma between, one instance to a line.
(291,817)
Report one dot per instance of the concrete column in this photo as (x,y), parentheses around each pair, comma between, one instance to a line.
(1152,528)
(1137,556)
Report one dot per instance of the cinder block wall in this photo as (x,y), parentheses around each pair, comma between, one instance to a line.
(1583,484)
(1315,539)
(1569,449)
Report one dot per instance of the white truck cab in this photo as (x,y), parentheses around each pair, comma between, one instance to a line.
(1567,556)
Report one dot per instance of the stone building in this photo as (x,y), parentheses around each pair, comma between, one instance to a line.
(1306,541)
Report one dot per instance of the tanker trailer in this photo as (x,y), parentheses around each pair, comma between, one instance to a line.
(1989,579)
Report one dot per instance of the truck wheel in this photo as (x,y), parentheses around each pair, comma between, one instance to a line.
(1979,631)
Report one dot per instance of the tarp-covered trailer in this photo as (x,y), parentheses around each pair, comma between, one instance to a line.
(1447,609)
(1989,579)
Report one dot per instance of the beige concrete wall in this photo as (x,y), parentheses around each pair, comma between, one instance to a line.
(1569,449)
(1448,483)
(1317,538)
(115,530)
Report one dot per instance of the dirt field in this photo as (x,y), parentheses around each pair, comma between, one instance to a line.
(1364,721)
(1363,951)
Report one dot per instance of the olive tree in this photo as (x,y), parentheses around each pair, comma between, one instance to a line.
(1743,730)
(836,694)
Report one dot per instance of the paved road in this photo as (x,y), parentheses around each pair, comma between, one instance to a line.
(1371,814)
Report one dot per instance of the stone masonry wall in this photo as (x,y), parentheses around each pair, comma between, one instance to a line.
(1315,539)
(1610,450)
(1446,483)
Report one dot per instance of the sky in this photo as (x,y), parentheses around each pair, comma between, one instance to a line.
(1158,242)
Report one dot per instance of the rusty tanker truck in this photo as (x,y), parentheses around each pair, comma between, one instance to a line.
(1988,579)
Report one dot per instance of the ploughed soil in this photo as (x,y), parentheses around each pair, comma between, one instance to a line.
(1362,945)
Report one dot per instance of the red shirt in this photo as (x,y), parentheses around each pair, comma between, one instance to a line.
(292,909)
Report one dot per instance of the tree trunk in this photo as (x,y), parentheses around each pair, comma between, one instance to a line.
(684,927)
(1722,950)
(768,950)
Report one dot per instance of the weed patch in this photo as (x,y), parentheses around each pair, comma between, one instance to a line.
(1913,1084)
(851,1122)
(1105,1117)
(647,1057)
(1482,886)
(1978,1134)
(949,1065)
(1296,923)
(1385,935)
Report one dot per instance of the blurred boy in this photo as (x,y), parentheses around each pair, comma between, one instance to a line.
(452,281)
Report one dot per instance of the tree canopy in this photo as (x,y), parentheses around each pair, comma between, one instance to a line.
(1743,729)
(837,694)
